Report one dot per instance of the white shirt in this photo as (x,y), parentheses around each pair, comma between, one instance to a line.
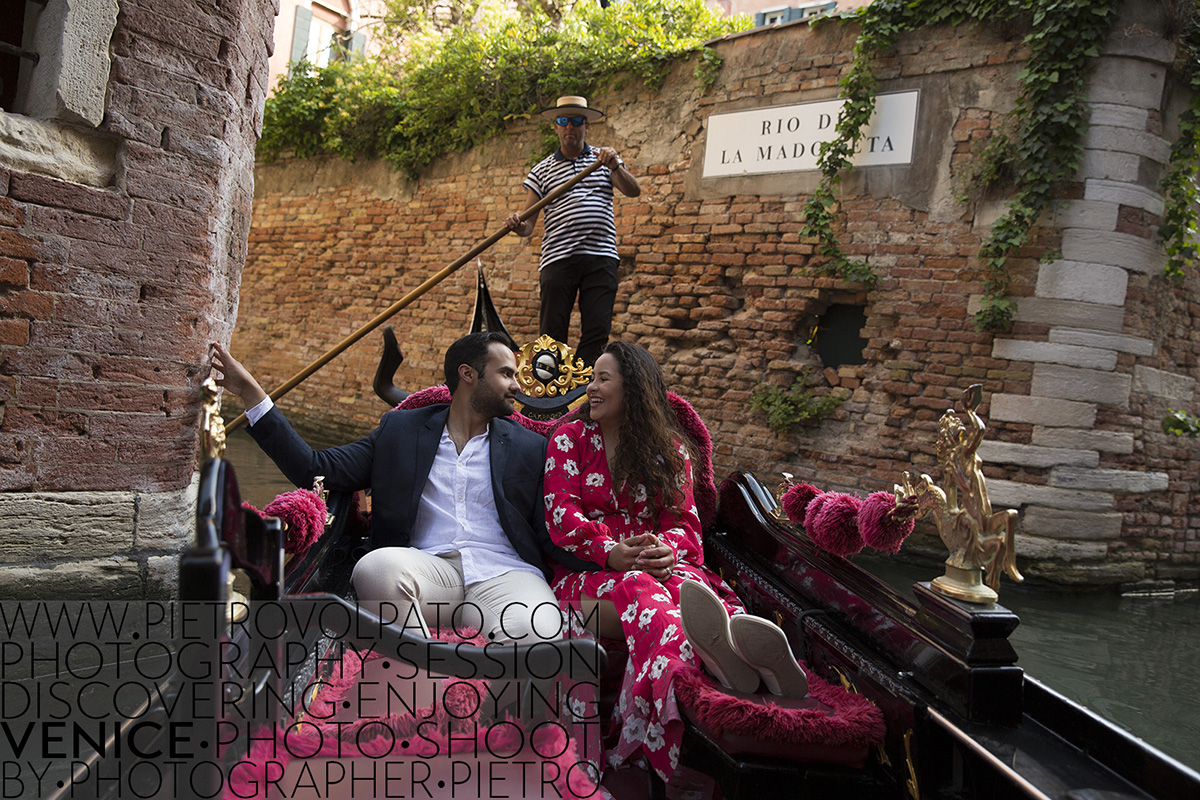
(457,510)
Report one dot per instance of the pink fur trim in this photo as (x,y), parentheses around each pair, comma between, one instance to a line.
(850,719)
(432,396)
(704,487)
(881,526)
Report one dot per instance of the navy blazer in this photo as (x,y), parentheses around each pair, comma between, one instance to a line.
(394,462)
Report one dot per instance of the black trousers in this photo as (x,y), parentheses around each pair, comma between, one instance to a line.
(594,279)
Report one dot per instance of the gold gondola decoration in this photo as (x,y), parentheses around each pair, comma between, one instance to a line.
(548,368)
(212,426)
(978,538)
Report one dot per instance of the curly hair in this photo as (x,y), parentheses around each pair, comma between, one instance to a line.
(648,452)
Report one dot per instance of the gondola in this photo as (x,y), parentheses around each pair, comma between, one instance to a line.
(962,719)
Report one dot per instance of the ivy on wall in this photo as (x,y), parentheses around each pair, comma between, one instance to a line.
(1178,229)
(1042,152)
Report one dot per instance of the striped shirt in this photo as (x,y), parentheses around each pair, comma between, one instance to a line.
(581,222)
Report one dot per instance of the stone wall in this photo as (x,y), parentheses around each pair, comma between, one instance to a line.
(713,283)
(124,211)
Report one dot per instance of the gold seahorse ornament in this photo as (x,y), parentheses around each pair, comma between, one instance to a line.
(978,538)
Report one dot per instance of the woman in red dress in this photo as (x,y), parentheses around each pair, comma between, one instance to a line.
(619,493)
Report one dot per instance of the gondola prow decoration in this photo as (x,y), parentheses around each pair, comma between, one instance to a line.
(979,539)
(212,426)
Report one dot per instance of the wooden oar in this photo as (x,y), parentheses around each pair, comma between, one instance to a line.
(432,281)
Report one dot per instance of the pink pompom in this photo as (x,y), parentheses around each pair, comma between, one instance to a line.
(883,525)
(304,513)
(796,499)
(832,522)
(432,396)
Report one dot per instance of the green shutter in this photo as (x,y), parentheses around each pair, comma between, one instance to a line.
(300,33)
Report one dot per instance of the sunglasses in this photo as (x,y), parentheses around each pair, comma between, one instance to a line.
(574,121)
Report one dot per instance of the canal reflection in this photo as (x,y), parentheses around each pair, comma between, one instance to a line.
(1133,660)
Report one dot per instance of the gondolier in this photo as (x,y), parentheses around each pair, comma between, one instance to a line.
(579,246)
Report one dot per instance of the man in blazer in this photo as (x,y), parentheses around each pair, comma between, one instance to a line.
(458,527)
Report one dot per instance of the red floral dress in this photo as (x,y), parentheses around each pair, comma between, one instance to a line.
(588,516)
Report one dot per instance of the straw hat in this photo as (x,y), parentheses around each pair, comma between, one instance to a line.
(572,105)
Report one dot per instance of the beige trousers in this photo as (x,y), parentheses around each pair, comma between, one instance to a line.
(428,590)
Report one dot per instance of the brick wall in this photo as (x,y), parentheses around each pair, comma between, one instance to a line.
(112,289)
(713,283)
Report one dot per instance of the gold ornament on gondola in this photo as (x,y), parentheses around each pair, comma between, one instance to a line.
(548,368)
(979,539)
(212,426)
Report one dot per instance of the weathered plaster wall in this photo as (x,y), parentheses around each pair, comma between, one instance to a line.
(712,282)
(121,249)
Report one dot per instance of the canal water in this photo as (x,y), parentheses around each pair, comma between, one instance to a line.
(1133,660)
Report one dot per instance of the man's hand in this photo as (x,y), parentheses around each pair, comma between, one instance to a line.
(623,557)
(235,377)
(621,178)
(518,227)
(608,157)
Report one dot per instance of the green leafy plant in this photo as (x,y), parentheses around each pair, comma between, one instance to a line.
(787,407)
(1181,423)
(446,88)
(1178,228)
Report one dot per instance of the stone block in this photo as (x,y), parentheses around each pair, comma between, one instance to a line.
(1075,574)
(1125,140)
(1094,215)
(166,520)
(1104,441)
(1050,311)
(1049,352)
(1120,342)
(1109,166)
(162,578)
(1056,523)
(62,152)
(1135,43)
(1109,480)
(1013,495)
(1125,194)
(1087,283)
(1115,249)
(73,40)
(1028,455)
(1085,385)
(1119,116)
(1040,548)
(112,578)
(1042,411)
(1147,380)
(56,525)
(1126,82)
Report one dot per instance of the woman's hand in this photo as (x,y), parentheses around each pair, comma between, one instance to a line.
(657,558)
(624,557)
